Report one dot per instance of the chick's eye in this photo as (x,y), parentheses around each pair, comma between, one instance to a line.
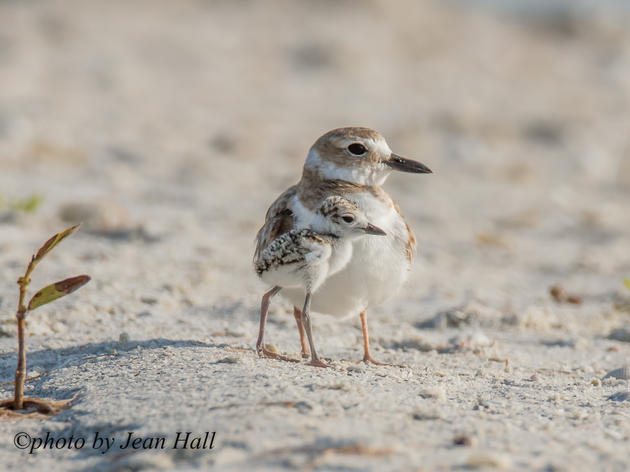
(357,149)
(347,218)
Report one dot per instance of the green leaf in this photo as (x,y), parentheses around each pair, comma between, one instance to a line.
(57,290)
(53,241)
(626,282)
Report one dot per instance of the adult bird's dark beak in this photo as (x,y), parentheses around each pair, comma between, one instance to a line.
(403,164)
(371,229)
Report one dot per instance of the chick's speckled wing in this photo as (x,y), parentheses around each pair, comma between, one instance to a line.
(295,248)
(278,221)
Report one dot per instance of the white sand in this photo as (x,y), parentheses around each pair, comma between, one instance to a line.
(177,123)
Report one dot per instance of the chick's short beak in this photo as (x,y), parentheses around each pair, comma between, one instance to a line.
(371,229)
(403,164)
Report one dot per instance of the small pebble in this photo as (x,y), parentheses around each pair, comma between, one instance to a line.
(560,295)
(271,348)
(534,378)
(463,440)
(123,338)
(596,382)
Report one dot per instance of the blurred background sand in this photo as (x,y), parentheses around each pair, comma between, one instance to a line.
(169,127)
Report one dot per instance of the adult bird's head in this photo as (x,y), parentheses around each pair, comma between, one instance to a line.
(358,155)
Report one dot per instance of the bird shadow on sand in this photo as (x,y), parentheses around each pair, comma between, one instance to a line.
(42,362)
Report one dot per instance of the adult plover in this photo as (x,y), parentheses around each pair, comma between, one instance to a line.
(302,259)
(353,163)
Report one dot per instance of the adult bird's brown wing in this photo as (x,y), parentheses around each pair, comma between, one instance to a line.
(278,220)
(410,247)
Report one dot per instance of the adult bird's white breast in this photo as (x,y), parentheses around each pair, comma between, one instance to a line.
(377,268)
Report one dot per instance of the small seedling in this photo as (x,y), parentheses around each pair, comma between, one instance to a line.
(51,292)
(29,204)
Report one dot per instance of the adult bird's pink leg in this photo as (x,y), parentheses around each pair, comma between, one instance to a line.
(298,319)
(260,347)
(367,356)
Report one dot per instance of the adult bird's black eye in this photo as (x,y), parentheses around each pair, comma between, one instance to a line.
(347,219)
(357,149)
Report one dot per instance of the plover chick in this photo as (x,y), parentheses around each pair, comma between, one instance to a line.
(353,163)
(302,259)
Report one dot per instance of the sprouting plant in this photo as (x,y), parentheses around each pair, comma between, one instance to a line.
(29,204)
(624,306)
(45,295)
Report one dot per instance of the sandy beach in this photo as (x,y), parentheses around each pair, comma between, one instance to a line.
(168,128)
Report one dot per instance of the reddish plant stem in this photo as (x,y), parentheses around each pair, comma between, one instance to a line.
(20,372)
